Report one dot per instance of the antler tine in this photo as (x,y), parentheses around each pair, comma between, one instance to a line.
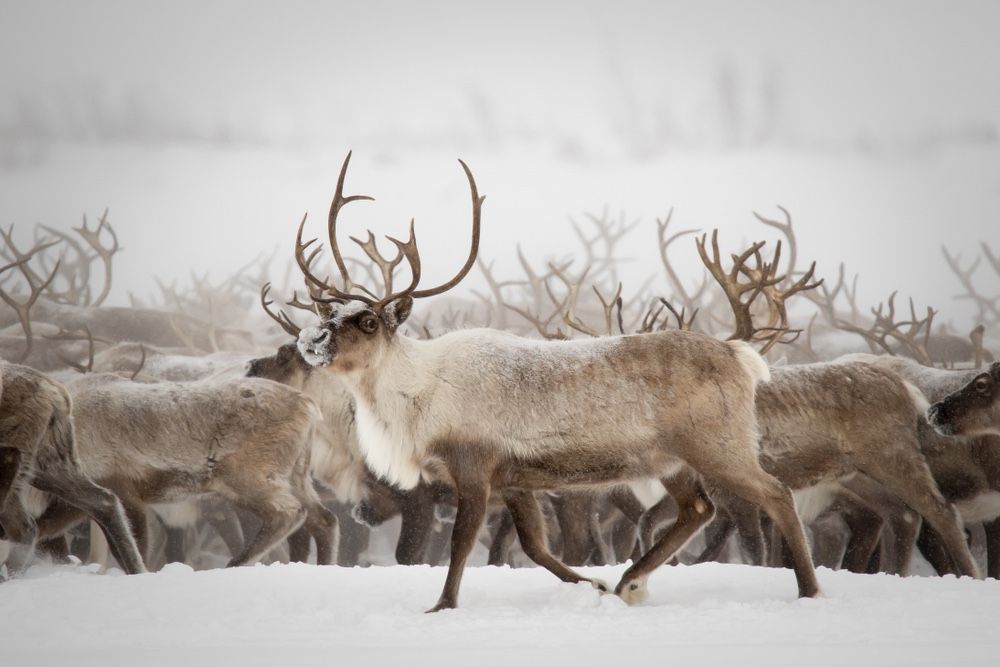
(142,362)
(339,201)
(19,257)
(281,318)
(729,282)
(682,324)
(89,366)
(786,229)
(994,260)
(93,239)
(983,303)
(609,307)
(572,294)
(477,207)
(412,255)
(664,246)
(304,266)
(23,309)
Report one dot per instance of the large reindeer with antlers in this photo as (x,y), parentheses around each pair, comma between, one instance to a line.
(490,410)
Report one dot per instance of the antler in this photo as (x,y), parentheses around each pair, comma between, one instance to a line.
(405,250)
(789,233)
(281,318)
(572,295)
(986,305)
(79,368)
(23,309)
(762,279)
(93,239)
(664,243)
(885,327)
(731,285)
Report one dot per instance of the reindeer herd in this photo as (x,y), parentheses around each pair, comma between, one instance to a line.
(595,426)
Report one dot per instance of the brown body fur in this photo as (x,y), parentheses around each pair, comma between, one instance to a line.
(38,448)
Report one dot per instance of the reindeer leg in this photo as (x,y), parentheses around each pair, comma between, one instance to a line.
(502,539)
(865,526)
(279,517)
(695,509)
(931,548)
(321,525)
(417,516)
(298,546)
(755,485)
(472,499)
(629,542)
(912,482)
(527,519)
(992,529)
(79,496)
(10,466)
(651,520)
(226,524)
(717,534)
(19,527)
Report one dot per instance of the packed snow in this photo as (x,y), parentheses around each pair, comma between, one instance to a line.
(700,614)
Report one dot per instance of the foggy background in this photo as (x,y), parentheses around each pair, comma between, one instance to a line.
(208,129)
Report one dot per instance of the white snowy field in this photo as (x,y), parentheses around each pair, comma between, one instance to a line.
(703,614)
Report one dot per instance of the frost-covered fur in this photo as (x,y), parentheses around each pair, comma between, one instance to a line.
(489,410)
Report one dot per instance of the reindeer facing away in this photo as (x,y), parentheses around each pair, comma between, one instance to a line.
(489,410)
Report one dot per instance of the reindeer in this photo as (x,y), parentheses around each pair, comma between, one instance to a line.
(490,410)
(247,440)
(38,450)
(963,451)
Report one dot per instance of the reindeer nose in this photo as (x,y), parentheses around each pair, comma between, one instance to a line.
(321,337)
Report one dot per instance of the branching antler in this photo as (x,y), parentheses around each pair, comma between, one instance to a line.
(281,318)
(989,307)
(885,329)
(761,278)
(36,288)
(105,252)
(405,250)
(664,243)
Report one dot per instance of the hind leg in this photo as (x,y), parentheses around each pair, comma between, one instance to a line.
(756,486)
(527,519)
(321,524)
(275,505)
(10,467)
(912,482)
(695,509)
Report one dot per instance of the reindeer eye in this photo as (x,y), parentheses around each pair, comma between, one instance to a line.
(983,385)
(368,324)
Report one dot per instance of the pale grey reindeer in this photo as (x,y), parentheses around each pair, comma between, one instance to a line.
(38,449)
(245,439)
(489,410)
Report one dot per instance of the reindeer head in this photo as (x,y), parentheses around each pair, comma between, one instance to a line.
(359,326)
(972,410)
(285,366)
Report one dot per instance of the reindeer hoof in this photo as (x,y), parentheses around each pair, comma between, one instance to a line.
(600,585)
(442,604)
(634,592)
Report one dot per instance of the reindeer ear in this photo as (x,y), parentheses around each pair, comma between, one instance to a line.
(397,311)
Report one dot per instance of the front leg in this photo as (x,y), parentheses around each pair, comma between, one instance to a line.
(472,499)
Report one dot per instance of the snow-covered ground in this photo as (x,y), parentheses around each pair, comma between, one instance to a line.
(279,614)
